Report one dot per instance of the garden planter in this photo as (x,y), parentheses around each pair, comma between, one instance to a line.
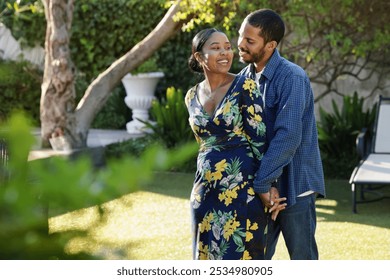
(140,91)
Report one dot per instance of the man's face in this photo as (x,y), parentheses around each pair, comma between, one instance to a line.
(251,46)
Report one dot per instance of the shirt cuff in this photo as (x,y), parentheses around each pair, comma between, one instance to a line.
(263,188)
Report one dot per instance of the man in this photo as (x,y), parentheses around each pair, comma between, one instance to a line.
(291,166)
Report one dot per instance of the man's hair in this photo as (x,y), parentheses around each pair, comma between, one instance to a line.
(270,23)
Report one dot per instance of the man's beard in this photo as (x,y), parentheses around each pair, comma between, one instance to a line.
(254,57)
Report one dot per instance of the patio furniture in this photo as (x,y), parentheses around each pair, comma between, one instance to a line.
(373,171)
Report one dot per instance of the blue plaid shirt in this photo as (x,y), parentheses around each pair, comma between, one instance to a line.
(292,157)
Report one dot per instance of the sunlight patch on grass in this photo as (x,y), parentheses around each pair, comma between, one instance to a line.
(325,211)
(81,219)
(139,225)
(155,225)
(351,241)
(326,202)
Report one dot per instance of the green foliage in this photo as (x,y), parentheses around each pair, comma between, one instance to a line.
(171,119)
(337,132)
(100,36)
(355,30)
(150,65)
(115,114)
(36,188)
(132,147)
(104,30)
(20,89)
(17,14)
(203,12)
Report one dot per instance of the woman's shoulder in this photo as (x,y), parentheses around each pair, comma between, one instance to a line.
(190,94)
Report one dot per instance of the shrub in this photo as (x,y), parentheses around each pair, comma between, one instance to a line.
(171,119)
(20,88)
(115,114)
(34,187)
(337,132)
(134,147)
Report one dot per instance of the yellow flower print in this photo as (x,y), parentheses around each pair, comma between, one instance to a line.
(195,128)
(254,226)
(208,176)
(203,251)
(222,196)
(216,121)
(251,110)
(249,226)
(237,130)
(226,108)
(248,236)
(228,195)
(257,118)
(217,175)
(251,191)
(229,228)
(249,85)
(221,166)
(206,223)
(246,256)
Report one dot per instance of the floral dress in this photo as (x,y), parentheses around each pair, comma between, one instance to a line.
(228,219)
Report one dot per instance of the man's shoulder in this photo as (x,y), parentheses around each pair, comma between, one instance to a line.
(287,67)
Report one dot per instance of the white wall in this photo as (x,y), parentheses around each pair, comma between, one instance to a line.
(366,85)
(10,49)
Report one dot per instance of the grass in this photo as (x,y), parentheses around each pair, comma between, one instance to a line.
(154,224)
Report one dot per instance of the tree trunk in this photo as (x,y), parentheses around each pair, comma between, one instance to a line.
(57,108)
(58,114)
(98,91)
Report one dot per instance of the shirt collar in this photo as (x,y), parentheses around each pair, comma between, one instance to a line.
(271,65)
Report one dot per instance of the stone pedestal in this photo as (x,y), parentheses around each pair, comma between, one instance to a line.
(140,91)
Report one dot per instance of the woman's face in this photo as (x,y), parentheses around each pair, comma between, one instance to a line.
(217,54)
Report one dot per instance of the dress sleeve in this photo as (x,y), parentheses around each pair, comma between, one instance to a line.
(252,117)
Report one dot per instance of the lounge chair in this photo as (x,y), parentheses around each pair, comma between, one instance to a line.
(373,171)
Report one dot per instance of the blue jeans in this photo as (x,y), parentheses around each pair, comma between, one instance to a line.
(297,224)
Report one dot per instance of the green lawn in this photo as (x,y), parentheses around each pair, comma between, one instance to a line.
(154,224)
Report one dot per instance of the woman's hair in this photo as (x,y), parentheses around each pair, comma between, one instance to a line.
(270,23)
(197,44)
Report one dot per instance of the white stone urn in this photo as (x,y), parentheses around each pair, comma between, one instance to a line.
(140,91)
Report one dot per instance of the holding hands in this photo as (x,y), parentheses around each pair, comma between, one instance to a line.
(273,202)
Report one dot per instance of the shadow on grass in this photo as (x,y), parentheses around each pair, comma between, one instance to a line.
(137,223)
(171,184)
(336,207)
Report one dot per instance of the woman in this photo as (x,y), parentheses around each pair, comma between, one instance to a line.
(225,114)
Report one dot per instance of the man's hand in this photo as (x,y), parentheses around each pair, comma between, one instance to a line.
(272,201)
